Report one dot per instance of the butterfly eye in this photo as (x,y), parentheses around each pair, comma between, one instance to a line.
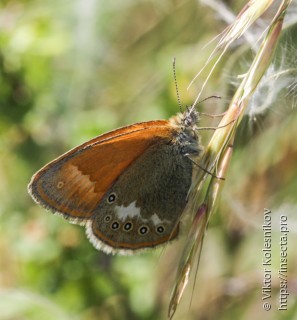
(115,225)
(160,229)
(128,226)
(107,218)
(60,184)
(143,230)
(111,198)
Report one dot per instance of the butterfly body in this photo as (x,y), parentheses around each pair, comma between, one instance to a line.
(128,187)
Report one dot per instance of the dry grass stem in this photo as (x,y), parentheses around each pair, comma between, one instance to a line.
(218,153)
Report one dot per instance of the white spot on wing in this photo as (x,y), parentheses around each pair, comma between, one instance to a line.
(131,211)
(155,219)
(123,213)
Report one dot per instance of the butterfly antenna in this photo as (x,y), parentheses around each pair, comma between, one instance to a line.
(176,86)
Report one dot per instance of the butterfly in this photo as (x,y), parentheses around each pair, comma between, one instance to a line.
(128,187)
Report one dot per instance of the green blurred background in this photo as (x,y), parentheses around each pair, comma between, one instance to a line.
(71,70)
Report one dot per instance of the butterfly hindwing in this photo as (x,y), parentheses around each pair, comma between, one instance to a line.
(143,207)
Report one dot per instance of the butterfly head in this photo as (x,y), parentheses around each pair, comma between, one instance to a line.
(187,137)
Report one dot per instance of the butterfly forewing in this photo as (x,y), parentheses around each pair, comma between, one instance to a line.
(75,183)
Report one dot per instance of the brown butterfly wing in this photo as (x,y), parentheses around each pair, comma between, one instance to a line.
(75,183)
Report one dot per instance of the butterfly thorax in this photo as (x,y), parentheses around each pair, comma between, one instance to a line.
(187,138)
